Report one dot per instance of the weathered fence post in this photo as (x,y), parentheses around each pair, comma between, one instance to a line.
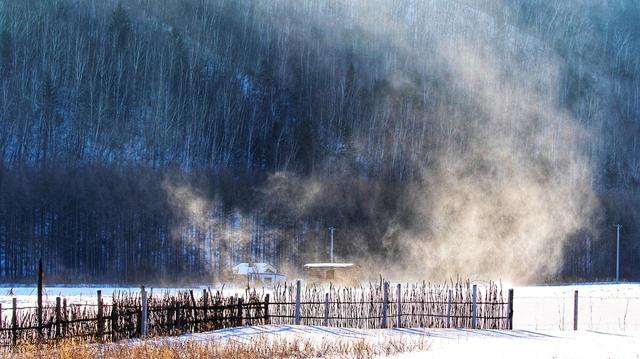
(399,324)
(100,317)
(575,310)
(65,325)
(14,321)
(40,284)
(143,314)
(385,302)
(58,317)
(205,306)
(233,305)
(176,307)
(194,312)
(325,321)
(510,310)
(239,324)
(114,321)
(298,302)
(266,310)
(474,307)
(449,309)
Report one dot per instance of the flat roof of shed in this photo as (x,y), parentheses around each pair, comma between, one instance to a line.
(329,265)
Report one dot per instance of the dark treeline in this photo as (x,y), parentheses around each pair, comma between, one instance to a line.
(117,118)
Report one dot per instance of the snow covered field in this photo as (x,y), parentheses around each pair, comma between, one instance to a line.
(450,343)
(609,325)
(600,306)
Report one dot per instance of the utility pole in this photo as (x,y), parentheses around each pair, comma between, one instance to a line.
(332,229)
(618,253)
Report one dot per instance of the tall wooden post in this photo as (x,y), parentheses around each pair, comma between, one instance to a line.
(40,285)
(143,314)
(194,312)
(205,306)
(114,322)
(575,310)
(298,289)
(14,321)
(325,321)
(474,308)
(510,311)
(100,318)
(266,310)
(449,309)
(0,315)
(65,325)
(240,301)
(399,301)
(385,303)
(58,317)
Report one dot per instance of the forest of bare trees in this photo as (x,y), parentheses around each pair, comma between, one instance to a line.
(163,140)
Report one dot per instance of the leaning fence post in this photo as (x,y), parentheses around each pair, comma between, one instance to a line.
(100,317)
(266,309)
(385,302)
(474,307)
(325,321)
(143,315)
(510,310)
(58,317)
(14,320)
(449,309)
(399,324)
(575,310)
(298,302)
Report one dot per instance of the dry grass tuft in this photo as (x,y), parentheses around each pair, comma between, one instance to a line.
(259,348)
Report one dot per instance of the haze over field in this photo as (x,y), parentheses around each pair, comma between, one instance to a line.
(167,140)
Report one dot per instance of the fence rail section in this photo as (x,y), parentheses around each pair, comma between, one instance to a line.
(141,314)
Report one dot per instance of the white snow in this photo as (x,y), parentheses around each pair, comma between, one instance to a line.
(608,322)
(600,307)
(452,343)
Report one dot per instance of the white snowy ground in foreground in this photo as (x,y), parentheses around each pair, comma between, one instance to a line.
(453,343)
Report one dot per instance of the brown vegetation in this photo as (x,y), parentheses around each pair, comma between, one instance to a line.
(259,348)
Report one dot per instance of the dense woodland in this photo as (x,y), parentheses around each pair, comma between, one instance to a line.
(165,140)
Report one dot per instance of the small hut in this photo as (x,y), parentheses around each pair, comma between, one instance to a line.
(256,273)
(342,273)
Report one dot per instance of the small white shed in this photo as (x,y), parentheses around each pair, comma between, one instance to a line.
(263,273)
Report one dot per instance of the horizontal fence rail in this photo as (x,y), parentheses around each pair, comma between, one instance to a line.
(142,314)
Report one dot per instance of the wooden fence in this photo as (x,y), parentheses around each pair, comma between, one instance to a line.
(134,315)
(419,305)
(131,315)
